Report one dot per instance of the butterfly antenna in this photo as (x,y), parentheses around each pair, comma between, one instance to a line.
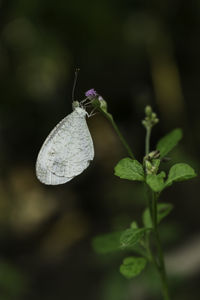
(75,81)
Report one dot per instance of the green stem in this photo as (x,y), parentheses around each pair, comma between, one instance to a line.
(152,203)
(103,109)
(122,139)
(161,263)
(147,140)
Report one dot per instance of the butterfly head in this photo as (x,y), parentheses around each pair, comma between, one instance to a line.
(76,105)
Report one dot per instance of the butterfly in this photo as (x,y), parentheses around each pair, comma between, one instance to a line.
(67,150)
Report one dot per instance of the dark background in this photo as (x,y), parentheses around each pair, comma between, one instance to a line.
(133,53)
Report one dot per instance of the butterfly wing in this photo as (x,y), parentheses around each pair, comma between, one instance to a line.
(66,152)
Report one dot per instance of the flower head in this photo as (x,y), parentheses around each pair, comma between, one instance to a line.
(91,94)
(96,99)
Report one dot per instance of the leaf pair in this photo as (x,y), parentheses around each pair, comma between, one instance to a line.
(121,240)
(118,240)
(132,170)
(178,172)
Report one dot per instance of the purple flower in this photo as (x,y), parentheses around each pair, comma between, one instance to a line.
(91,94)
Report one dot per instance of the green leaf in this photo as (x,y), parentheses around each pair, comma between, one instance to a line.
(163,209)
(146,218)
(131,169)
(132,266)
(107,243)
(134,225)
(169,141)
(156,182)
(131,236)
(180,172)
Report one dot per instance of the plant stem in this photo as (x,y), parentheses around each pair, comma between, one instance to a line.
(161,264)
(103,109)
(122,139)
(147,140)
(152,203)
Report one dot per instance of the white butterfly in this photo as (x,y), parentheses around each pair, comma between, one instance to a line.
(68,149)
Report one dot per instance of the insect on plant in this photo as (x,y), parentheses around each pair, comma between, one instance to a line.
(68,149)
(67,152)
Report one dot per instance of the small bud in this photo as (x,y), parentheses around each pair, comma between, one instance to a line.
(153,115)
(148,111)
(148,167)
(154,154)
(103,104)
(156,164)
(144,123)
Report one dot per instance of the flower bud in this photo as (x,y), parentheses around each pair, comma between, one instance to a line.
(148,111)
(148,167)
(103,104)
